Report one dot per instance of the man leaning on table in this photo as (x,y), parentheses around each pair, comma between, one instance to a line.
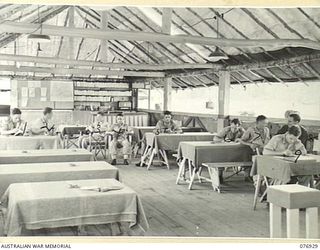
(234,132)
(44,125)
(167,125)
(13,125)
(287,145)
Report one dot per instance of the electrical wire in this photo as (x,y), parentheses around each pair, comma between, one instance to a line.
(209,18)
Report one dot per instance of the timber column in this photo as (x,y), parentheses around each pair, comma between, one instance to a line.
(167,90)
(224,97)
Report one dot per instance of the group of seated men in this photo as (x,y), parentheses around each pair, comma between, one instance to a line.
(290,138)
(14,125)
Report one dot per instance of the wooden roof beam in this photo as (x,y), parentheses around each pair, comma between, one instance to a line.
(53,30)
(63,61)
(78,71)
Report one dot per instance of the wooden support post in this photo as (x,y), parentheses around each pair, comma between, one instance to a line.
(275,221)
(167,93)
(224,97)
(166,20)
(292,223)
(312,226)
(149,99)
(103,42)
(71,39)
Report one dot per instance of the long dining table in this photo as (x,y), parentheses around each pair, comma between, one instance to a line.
(29,142)
(55,171)
(30,206)
(45,155)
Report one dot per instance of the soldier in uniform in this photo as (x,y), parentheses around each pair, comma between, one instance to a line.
(44,125)
(167,125)
(230,133)
(97,129)
(13,125)
(120,132)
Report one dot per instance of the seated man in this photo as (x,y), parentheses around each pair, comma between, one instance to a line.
(120,132)
(97,128)
(286,145)
(167,125)
(294,120)
(256,138)
(231,133)
(44,125)
(14,125)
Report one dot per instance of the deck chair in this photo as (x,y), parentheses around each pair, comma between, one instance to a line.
(98,144)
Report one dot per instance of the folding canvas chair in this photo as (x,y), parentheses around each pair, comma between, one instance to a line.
(98,144)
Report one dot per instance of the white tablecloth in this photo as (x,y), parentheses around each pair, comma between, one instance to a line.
(42,156)
(57,171)
(54,204)
(29,142)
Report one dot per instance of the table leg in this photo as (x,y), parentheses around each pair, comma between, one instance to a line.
(256,192)
(199,174)
(215,180)
(145,155)
(292,223)
(312,226)
(181,169)
(163,154)
(153,153)
(275,221)
(192,176)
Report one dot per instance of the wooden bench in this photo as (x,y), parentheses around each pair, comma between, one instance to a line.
(213,170)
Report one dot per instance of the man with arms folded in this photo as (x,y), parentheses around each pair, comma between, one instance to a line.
(167,125)
(120,132)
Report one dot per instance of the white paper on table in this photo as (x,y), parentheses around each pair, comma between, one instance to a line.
(43,92)
(32,92)
(24,101)
(24,92)
(43,98)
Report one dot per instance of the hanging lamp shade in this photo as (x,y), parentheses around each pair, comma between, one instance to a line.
(39,38)
(217,55)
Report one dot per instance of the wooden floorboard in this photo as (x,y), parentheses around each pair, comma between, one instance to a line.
(173,210)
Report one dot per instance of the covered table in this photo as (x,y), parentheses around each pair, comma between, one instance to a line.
(29,142)
(55,204)
(197,153)
(139,136)
(281,169)
(158,144)
(42,156)
(57,171)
